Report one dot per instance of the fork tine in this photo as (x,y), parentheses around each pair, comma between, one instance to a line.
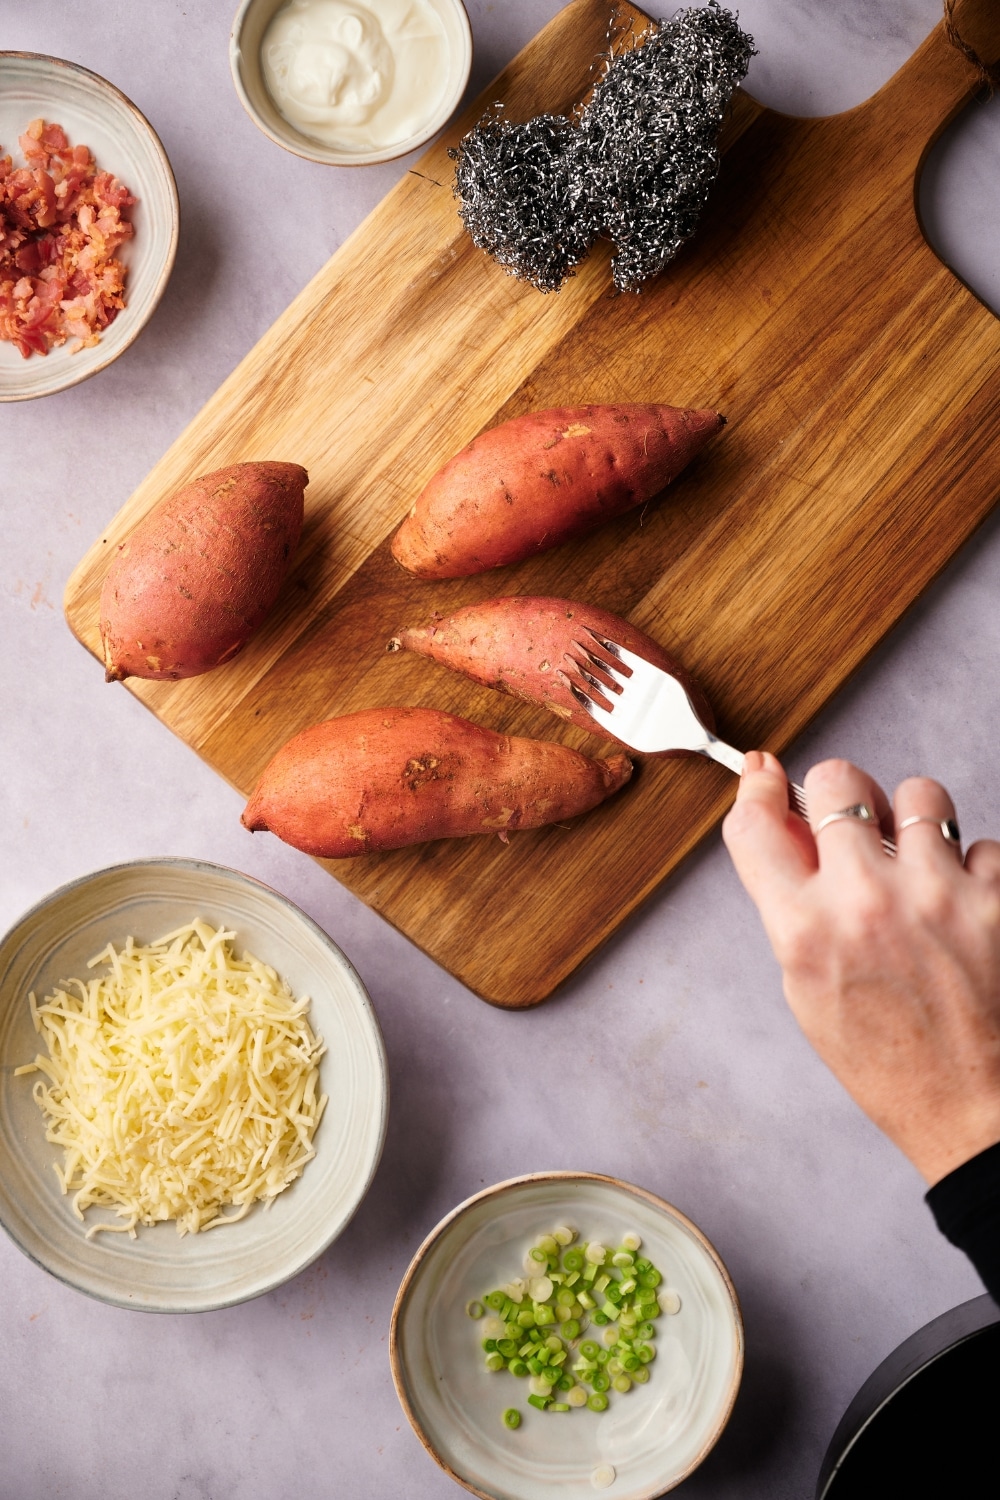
(607,678)
(595,682)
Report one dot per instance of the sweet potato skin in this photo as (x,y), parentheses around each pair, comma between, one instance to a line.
(543,478)
(383,778)
(189,586)
(517,646)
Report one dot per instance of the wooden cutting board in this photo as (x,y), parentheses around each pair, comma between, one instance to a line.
(861,381)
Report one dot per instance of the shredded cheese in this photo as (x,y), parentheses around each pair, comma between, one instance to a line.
(181,1080)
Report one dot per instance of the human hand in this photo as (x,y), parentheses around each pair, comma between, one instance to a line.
(891,966)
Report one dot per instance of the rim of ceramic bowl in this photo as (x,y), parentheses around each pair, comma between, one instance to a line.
(175,217)
(412,1270)
(300,145)
(184,863)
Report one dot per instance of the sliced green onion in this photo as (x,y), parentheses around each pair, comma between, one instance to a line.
(600,1318)
(543,1314)
(474,1309)
(573,1260)
(563,1235)
(631,1241)
(598,1401)
(559,1406)
(651,1277)
(495,1361)
(489,1345)
(565,1297)
(602,1281)
(572,1278)
(646,1353)
(586,1300)
(652,1309)
(517,1367)
(623,1260)
(540,1255)
(589,1271)
(589,1349)
(512,1417)
(540,1401)
(540,1288)
(670,1302)
(627,1287)
(610,1312)
(576,1396)
(630,1362)
(603,1355)
(565,1382)
(495,1300)
(507,1347)
(645,1331)
(622,1383)
(640,1376)
(525,1318)
(571,1329)
(600,1382)
(594,1253)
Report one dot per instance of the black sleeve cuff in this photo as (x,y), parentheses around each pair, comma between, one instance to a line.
(966,1205)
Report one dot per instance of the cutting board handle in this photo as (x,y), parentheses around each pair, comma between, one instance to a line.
(932,86)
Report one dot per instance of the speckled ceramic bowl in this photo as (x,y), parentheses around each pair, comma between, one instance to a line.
(652,1437)
(160,1271)
(251,22)
(96,114)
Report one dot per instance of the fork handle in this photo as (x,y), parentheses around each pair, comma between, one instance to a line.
(733,760)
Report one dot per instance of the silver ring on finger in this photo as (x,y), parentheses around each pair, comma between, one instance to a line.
(858,812)
(947,827)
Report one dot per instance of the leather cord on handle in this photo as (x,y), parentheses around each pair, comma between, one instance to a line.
(989,73)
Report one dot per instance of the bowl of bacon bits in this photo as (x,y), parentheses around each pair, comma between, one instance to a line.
(89,222)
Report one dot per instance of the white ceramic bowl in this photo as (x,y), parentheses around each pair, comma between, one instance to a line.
(160,1271)
(96,114)
(652,1437)
(251,22)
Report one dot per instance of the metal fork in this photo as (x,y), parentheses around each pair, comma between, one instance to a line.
(646,708)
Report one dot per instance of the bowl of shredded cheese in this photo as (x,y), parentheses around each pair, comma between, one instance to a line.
(193,1090)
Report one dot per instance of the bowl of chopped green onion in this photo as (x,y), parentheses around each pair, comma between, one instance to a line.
(567,1331)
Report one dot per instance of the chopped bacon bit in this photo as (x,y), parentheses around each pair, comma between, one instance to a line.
(61,222)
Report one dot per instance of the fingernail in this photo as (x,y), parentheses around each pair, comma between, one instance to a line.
(752,761)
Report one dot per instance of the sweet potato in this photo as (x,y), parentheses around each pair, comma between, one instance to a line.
(519,645)
(540,479)
(386,777)
(189,586)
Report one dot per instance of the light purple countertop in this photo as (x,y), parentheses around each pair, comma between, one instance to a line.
(710,1096)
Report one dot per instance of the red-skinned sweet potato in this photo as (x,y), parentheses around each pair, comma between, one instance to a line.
(386,777)
(518,645)
(542,478)
(189,586)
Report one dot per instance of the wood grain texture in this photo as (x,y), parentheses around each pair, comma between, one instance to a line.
(861,381)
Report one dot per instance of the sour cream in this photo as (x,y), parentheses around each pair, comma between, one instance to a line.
(357,75)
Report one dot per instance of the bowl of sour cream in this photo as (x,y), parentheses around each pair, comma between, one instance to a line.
(351,82)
